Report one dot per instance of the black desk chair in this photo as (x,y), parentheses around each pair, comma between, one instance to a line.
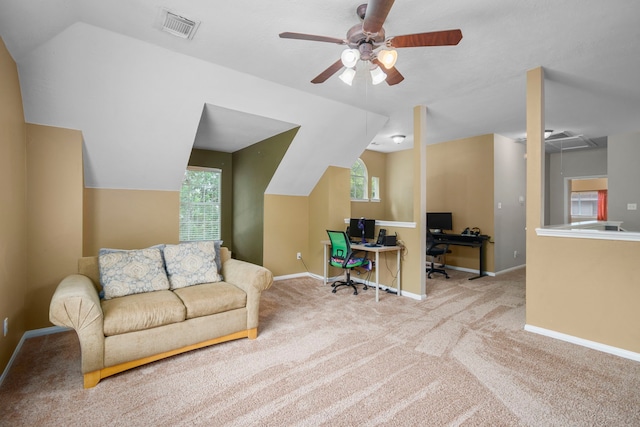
(343,257)
(435,249)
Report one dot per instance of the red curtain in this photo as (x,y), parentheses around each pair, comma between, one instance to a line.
(602,205)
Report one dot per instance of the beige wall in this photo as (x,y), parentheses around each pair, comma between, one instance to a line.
(13,208)
(129,219)
(399,187)
(286,231)
(395,171)
(592,291)
(460,179)
(329,205)
(589,184)
(54,214)
(298,224)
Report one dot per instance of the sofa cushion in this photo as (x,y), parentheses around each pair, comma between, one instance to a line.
(141,311)
(211,298)
(132,272)
(191,263)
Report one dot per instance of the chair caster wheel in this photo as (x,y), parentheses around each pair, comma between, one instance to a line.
(355,293)
(333,291)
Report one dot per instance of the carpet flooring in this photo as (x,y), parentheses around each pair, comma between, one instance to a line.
(459,358)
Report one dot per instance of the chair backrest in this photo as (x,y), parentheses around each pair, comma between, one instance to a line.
(431,241)
(430,238)
(340,245)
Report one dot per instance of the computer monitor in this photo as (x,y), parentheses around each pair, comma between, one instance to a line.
(356,233)
(439,221)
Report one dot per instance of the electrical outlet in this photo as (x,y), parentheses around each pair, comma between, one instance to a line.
(515,254)
(6,326)
(298,255)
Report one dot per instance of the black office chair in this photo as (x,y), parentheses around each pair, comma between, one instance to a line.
(343,257)
(435,249)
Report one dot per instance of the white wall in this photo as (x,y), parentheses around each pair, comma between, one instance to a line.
(624,179)
(139,106)
(566,165)
(509,209)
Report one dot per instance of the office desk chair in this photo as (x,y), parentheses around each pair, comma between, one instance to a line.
(435,249)
(343,257)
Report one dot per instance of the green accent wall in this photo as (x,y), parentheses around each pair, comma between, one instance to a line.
(253,168)
(245,177)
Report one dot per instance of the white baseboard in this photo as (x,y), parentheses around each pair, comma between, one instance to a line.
(468,270)
(290,276)
(508,270)
(25,336)
(355,279)
(584,343)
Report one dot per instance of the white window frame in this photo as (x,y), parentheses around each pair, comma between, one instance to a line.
(362,181)
(188,209)
(375,189)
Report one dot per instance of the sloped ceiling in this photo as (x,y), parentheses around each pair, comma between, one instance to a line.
(138,94)
(222,129)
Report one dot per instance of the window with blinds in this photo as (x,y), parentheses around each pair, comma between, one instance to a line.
(200,205)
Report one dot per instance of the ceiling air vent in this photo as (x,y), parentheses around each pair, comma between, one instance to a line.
(179,25)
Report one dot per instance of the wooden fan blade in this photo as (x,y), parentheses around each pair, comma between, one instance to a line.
(393,75)
(376,14)
(323,76)
(436,38)
(299,36)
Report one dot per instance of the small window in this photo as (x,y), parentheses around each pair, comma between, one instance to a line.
(375,188)
(200,205)
(584,205)
(359,178)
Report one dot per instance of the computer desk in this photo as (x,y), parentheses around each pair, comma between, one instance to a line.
(466,240)
(373,249)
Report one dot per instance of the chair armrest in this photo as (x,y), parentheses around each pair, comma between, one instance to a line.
(76,304)
(252,279)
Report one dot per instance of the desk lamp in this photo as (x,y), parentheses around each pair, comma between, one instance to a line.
(361,227)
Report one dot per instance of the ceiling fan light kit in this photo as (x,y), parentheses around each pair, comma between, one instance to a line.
(350,57)
(377,75)
(367,42)
(348,75)
(388,58)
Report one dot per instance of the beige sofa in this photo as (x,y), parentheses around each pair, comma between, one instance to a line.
(125,332)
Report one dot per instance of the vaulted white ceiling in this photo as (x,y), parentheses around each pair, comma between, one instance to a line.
(143,97)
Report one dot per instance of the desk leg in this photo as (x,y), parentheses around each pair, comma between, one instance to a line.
(398,270)
(377,275)
(326,263)
(481,262)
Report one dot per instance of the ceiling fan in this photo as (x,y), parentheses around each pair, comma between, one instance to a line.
(366,42)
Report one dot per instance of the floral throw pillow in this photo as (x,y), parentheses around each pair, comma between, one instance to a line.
(191,263)
(132,272)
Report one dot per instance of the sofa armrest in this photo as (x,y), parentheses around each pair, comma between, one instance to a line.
(76,304)
(252,279)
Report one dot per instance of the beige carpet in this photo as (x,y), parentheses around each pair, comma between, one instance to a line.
(459,358)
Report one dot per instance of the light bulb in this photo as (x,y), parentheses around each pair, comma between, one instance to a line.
(350,57)
(348,75)
(377,75)
(388,58)
(398,138)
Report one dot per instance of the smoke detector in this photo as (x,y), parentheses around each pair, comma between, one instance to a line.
(178,25)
